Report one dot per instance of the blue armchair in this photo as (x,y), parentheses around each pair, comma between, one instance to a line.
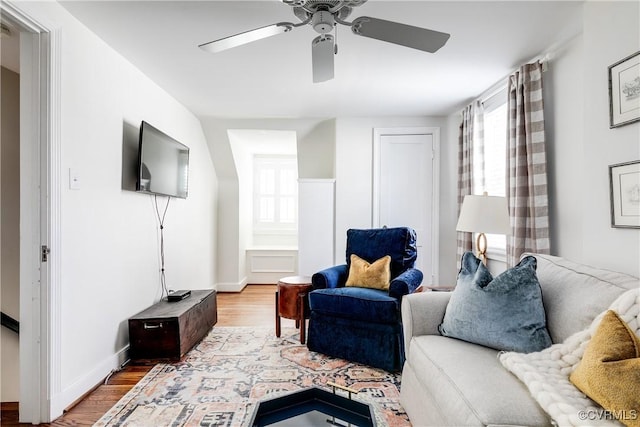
(364,324)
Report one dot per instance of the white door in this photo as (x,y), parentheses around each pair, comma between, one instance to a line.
(404,190)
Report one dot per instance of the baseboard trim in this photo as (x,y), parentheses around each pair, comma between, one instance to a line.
(231,287)
(77,391)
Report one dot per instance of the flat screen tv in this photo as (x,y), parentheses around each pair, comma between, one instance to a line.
(163,164)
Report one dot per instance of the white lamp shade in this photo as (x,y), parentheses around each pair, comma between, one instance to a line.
(484,214)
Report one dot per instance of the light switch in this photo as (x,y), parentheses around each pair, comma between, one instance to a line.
(74,179)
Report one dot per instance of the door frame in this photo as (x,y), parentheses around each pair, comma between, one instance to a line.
(39,214)
(378,133)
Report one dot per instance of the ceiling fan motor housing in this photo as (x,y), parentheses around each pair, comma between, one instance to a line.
(339,9)
(322,21)
(333,5)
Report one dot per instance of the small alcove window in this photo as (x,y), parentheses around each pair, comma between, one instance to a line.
(275,201)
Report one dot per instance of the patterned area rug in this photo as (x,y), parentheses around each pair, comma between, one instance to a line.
(221,379)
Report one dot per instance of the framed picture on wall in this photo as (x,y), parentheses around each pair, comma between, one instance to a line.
(624,179)
(624,91)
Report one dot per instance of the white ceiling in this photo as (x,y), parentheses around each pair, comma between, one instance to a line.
(272,77)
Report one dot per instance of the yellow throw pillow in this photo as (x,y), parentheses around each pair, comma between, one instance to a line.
(609,372)
(376,275)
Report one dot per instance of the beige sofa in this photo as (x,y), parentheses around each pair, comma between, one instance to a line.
(448,382)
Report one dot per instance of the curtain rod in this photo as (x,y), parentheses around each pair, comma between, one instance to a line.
(502,83)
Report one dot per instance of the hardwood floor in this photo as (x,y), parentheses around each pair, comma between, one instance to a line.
(254,306)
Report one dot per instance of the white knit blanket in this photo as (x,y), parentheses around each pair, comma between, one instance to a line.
(546,373)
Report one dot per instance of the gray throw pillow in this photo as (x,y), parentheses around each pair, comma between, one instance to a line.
(505,313)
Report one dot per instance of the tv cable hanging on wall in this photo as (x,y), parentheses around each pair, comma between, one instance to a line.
(163,280)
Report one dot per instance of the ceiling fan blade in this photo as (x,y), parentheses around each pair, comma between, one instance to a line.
(246,37)
(402,34)
(322,52)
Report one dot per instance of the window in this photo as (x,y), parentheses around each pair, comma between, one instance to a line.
(275,194)
(490,166)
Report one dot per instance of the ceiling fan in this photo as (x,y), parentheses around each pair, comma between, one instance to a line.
(323,15)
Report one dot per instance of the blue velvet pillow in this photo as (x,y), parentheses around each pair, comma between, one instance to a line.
(505,313)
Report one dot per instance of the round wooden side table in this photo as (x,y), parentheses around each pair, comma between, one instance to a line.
(292,302)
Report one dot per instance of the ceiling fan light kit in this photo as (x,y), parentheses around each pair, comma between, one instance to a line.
(322,53)
(323,15)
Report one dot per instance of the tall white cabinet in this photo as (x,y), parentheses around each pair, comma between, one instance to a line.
(316,225)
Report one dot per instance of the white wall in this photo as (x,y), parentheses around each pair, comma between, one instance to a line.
(316,151)
(229,260)
(564,115)
(242,158)
(581,144)
(449,264)
(316,237)
(10,236)
(109,255)
(611,32)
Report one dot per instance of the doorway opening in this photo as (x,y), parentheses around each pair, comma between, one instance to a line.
(10,212)
(36,202)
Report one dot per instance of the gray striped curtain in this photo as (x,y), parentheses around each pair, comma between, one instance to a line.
(527,165)
(470,144)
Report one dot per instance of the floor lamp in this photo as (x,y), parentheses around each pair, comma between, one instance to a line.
(484,214)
